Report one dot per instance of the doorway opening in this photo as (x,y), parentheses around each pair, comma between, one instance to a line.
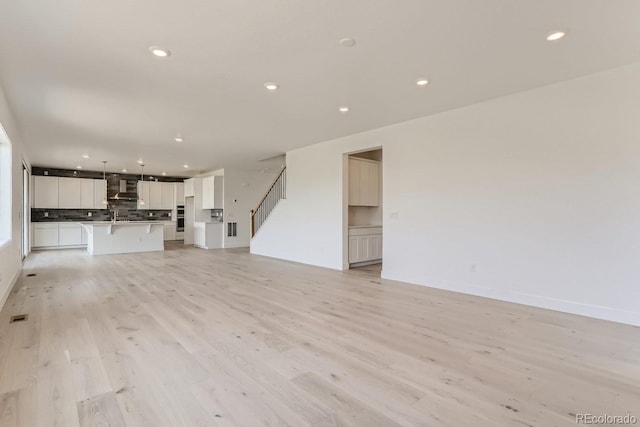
(26,211)
(363,206)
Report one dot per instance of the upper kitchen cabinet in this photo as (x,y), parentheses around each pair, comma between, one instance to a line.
(87,194)
(168,200)
(364,182)
(156,195)
(143,195)
(100,193)
(69,193)
(45,192)
(212,192)
(179,193)
(51,192)
(189,187)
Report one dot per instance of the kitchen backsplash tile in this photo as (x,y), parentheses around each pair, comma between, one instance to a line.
(82,215)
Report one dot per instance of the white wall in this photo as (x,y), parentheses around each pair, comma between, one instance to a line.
(10,252)
(242,191)
(538,192)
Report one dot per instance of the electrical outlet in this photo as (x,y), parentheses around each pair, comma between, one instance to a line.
(150,213)
(89,214)
(46,214)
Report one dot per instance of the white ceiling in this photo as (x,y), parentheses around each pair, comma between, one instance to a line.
(79,77)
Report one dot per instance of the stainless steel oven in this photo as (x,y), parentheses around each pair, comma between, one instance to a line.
(180,218)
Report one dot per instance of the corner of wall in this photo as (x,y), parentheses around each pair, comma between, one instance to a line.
(10,285)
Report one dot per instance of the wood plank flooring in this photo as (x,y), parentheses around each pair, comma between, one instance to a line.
(190,337)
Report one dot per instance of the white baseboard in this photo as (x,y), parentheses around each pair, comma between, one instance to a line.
(9,289)
(572,307)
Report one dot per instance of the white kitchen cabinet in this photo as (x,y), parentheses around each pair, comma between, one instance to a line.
(207,192)
(45,234)
(365,244)
(143,193)
(45,192)
(169,231)
(179,193)
(69,191)
(87,194)
(208,235)
(374,184)
(189,187)
(168,200)
(375,246)
(58,234)
(155,195)
(69,234)
(100,193)
(51,192)
(364,182)
(212,192)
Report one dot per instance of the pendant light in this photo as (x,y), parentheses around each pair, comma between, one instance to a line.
(104,177)
(140,199)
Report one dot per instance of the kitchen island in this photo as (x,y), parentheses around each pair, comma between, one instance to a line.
(120,237)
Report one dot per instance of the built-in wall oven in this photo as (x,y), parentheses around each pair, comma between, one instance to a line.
(180,218)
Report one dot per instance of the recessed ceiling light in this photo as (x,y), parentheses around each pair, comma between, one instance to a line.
(85,156)
(556,35)
(185,166)
(270,86)
(343,109)
(178,139)
(160,52)
(347,42)
(422,82)
(78,167)
(140,162)
(164,174)
(124,170)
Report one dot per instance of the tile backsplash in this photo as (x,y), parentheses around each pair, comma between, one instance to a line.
(82,215)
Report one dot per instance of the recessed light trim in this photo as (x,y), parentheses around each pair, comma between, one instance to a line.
(344,109)
(178,139)
(422,82)
(124,170)
(140,161)
(85,156)
(79,167)
(271,86)
(186,166)
(164,174)
(347,42)
(556,35)
(159,52)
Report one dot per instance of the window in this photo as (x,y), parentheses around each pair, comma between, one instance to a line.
(5,186)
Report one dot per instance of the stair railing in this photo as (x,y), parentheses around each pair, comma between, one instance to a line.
(277,191)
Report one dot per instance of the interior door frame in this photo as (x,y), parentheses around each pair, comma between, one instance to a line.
(26,211)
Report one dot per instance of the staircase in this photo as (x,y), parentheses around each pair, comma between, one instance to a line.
(277,191)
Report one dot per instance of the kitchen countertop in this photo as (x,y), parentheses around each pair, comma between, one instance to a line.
(364,226)
(121,222)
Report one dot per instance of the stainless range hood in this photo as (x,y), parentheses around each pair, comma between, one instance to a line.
(122,193)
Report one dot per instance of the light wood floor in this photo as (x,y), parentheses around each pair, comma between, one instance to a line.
(191,337)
